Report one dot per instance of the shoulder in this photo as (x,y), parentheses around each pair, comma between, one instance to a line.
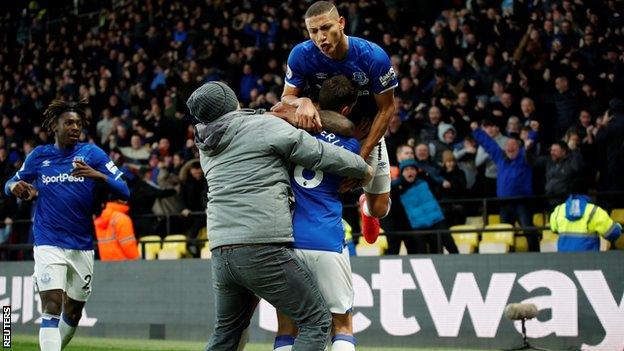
(303,49)
(369,50)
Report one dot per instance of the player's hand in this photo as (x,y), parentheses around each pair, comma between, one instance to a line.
(286,112)
(308,116)
(82,169)
(23,190)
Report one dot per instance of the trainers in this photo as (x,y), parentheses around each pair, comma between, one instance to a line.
(370,224)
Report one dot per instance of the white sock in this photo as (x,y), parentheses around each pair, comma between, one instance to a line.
(365,209)
(67,330)
(49,335)
(283,343)
(342,342)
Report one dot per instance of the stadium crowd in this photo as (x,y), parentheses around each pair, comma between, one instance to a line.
(540,77)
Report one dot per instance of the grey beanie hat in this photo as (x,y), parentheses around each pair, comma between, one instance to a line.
(211,101)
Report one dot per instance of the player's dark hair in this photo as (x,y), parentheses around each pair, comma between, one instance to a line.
(58,107)
(336,93)
(319,8)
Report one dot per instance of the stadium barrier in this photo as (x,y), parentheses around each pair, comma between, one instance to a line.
(422,300)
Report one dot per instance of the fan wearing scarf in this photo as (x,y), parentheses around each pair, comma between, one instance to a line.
(579,223)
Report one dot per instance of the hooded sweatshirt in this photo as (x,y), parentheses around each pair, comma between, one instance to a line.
(245,157)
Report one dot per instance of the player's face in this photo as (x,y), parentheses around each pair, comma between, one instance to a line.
(68,129)
(327,33)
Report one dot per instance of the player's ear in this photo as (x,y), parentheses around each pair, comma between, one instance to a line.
(345,110)
(342,23)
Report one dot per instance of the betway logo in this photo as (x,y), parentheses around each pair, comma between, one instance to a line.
(485,312)
(61,178)
(25,304)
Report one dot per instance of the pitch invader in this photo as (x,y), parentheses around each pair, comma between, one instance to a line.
(318,230)
(63,178)
(330,52)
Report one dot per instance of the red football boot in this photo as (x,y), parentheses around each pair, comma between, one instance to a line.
(370,224)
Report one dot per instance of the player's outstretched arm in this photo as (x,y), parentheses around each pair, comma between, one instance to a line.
(333,122)
(116,185)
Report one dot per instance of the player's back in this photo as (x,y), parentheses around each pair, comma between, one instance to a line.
(64,204)
(317,218)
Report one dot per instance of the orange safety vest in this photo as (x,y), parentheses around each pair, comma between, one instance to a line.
(115,234)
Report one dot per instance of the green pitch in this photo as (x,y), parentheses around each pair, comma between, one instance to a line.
(30,343)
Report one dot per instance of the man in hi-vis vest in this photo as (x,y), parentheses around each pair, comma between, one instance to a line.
(579,223)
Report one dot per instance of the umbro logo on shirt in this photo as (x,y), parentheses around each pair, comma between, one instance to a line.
(46,163)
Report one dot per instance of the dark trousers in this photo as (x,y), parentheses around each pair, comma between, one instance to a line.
(520,210)
(423,243)
(271,272)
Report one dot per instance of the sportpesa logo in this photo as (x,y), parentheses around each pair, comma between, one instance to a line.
(61,178)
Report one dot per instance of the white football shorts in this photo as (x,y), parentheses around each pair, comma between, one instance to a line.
(64,269)
(332,272)
(378,159)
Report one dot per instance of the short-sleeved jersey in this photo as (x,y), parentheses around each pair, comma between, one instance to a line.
(65,204)
(317,219)
(367,65)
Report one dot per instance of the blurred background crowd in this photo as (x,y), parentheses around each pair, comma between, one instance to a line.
(547,73)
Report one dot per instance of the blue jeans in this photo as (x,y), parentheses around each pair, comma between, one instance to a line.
(271,272)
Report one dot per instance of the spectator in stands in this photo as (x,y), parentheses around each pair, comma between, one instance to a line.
(115,233)
(432,168)
(566,103)
(563,169)
(403,153)
(444,142)
(454,212)
(483,157)
(414,201)
(465,157)
(136,155)
(514,180)
(429,130)
(610,141)
(194,192)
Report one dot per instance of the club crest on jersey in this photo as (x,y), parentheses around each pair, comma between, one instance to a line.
(78,158)
(360,78)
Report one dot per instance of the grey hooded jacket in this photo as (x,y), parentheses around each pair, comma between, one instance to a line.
(245,158)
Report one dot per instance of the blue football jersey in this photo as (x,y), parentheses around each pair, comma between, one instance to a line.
(367,65)
(64,207)
(317,219)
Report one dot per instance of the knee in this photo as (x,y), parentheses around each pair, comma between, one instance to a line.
(378,209)
(52,307)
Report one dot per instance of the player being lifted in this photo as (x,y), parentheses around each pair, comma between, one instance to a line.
(330,52)
(318,230)
(63,177)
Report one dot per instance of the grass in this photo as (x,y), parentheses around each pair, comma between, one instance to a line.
(30,342)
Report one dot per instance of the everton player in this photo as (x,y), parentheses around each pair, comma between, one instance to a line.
(330,52)
(318,230)
(63,177)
